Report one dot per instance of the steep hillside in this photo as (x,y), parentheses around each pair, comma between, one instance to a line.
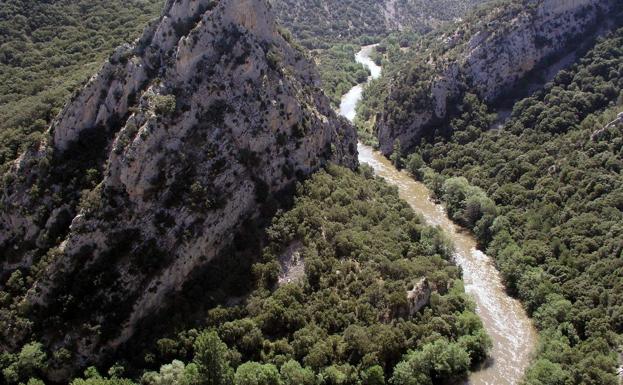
(48,49)
(318,23)
(151,168)
(334,29)
(350,281)
(490,55)
(544,195)
(352,288)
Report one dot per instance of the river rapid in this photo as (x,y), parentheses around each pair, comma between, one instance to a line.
(506,322)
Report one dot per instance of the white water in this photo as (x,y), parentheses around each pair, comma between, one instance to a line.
(363,57)
(504,319)
(349,101)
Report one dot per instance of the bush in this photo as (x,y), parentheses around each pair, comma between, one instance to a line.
(164,105)
(293,373)
(253,373)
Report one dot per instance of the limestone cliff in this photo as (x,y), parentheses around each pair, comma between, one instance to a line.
(317,22)
(150,169)
(488,55)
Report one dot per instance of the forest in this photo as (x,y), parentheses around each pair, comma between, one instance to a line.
(544,196)
(49,49)
(338,70)
(320,23)
(324,27)
(325,301)
(342,317)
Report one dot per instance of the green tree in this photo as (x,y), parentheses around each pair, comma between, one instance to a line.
(102,381)
(31,359)
(440,360)
(164,104)
(414,164)
(175,373)
(477,345)
(293,373)
(396,156)
(545,372)
(30,362)
(253,373)
(340,375)
(373,376)
(213,366)
(243,334)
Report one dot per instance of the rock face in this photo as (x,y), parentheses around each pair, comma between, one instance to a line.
(292,264)
(489,58)
(150,169)
(339,20)
(419,296)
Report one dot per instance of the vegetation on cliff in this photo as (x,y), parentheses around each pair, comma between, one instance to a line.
(48,49)
(174,145)
(544,196)
(338,70)
(346,320)
(325,26)
(500,53)
(318,24)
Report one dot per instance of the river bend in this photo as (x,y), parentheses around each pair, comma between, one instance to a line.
(505,320)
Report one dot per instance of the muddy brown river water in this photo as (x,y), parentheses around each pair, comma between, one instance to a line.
(506,322)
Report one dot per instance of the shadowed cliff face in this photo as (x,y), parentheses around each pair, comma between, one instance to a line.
(489,58)
(149,170)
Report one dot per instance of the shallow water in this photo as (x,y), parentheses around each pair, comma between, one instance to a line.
(506,322)
(349,101)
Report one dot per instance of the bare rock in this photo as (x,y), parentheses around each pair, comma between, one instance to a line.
(149,170)
(500,50)
(419,296)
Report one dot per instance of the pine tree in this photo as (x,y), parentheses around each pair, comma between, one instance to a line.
(211,360)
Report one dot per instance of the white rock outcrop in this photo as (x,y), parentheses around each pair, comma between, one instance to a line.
(498,53)
(148,173)
(419,296)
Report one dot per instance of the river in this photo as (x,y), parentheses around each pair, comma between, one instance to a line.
(506,322)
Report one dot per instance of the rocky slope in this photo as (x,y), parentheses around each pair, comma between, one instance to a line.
(488,56)
(150,169)
(349,20)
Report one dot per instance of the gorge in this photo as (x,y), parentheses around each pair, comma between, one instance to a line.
(506,322)
(295,192)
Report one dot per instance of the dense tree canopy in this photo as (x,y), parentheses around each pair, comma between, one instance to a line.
(343,319)
(324,26)
(317,24)
(544,196)
(49,48)
(338,70)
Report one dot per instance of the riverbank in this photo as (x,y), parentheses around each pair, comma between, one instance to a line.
(514,338)
(348,105)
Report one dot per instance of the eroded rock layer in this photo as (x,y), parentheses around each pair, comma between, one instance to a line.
(149,170)
(488,56)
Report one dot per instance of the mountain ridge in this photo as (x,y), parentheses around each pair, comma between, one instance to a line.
(489,59)
(161,155)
